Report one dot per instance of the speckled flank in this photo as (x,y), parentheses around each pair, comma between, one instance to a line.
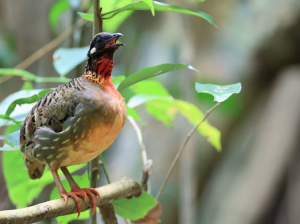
(72,124)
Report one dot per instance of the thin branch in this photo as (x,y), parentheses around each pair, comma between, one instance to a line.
(181,150)
(140,138)
(145,181)
(51,209)
(97,28)
(48,47)
(104,168)
(108,215)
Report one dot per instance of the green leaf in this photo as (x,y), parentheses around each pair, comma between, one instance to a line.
(150,4)
(83,182)
(87,16)
(134,208)
(5,117)
(27,86)
(111,24)
(29,76)
(163,111)
(220,93)
(131,112)
(194,115)
(55,12)
(13,138)
(139,99)
(158,6)
(27,100)
(21,111)
(66,59)
(21,189)
(150,72)
(117,80)
(7,147)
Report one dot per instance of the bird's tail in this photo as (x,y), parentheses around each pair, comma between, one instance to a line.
(35,169)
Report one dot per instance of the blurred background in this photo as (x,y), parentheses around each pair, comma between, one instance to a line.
(256,177)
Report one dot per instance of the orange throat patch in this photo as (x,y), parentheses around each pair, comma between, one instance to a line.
(102,74)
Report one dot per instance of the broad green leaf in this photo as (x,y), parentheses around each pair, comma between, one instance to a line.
(150,72)
(55,12)
(13,138)
(87,16)
(139,99)
(66,59)
(158,6)
(220,93)
(83,182)
(21,111)
(29,76)
(162,110)
(134,208)
(27,100)
(151,87)
(21,189)
(131,112)
(194,115)
(117,80)
(150,4)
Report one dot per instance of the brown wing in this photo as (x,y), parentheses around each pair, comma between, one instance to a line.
(51,111)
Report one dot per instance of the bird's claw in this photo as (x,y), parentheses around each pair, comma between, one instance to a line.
(76,192)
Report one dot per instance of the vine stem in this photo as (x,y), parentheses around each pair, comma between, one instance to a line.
(181,150)
(97,28)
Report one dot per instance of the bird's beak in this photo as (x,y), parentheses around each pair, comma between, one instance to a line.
(113,40)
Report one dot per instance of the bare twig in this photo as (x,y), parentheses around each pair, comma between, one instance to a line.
(97,24)
(108,215)
(51,209)
(48,47)
(140,138)
(181,150)
(145,182)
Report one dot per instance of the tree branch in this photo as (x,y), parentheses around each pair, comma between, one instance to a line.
(181,150)
(51,209)
(108,214)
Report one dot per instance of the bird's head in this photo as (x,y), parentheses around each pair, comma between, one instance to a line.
(102,47)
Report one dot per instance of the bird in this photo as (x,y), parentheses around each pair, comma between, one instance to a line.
(77,121)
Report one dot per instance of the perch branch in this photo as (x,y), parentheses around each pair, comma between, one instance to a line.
(181,150)
(51,209)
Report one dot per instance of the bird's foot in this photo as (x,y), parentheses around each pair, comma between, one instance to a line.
(86,191)
(74,195)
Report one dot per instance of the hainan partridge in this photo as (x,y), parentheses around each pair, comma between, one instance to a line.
(77,121)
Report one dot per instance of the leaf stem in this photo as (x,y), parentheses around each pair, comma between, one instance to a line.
(181,150)
(104,168)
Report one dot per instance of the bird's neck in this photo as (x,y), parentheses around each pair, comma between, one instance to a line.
(100,71)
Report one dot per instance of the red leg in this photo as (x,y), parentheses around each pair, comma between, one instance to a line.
(76,189)
(65,195)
